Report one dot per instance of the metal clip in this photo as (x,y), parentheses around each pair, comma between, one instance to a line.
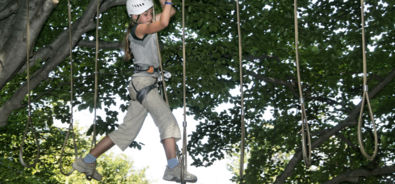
(166,75)
(301,100)
(365,88)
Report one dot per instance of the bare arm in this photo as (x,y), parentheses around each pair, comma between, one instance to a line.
(162,3)
(162,22)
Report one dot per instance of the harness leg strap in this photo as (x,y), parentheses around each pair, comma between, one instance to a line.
(143,92)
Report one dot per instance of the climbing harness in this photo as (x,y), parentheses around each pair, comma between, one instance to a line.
(29,117)
(365,95)
(242,123)
(70,129)
(140,94)
(306,144)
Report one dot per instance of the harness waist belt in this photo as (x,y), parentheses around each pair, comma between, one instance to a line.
(145,68)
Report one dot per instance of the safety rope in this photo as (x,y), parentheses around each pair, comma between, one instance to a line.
(365,95)
(160,65)
(29,116)
(184,139)
(242,123)
(162,72)
(306,147)
(93,143)
(70,129)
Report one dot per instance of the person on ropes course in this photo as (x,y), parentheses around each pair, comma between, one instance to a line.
(141,41)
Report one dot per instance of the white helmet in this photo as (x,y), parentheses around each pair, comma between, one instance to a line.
(137,7)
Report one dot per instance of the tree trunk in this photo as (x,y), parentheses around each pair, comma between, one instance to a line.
(13,51)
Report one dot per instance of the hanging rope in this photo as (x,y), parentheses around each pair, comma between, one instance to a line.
(71,128)
(162,72)
(184,139)
(160,65)
(306,147)
(29,118)
(365,95)
(93,144)
(242,123)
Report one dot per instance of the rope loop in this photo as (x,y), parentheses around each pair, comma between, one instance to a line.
(361,146)
(70,130)
(29,117)
(365,95)
(306,144)
(306,139)
(37,156)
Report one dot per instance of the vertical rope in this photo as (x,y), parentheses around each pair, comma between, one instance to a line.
(184,139)
(242,123)
(162,72)
(70,129)
(29,118)
(365,95)
(160,65)
(306,147)
(93,144)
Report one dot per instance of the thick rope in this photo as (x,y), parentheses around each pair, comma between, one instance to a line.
(306,147)
(184,139)
(93,143)
(365,95)
(242,123)
(29,118)
(70,129)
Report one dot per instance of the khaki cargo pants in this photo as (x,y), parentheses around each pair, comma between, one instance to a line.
(154,104)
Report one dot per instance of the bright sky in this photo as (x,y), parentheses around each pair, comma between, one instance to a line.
(152,155)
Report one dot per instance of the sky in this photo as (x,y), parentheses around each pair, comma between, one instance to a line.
(152,156)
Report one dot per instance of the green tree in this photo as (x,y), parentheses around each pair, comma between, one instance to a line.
(330,61)
(114,169)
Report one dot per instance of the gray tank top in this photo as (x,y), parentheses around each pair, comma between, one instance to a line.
(145,51)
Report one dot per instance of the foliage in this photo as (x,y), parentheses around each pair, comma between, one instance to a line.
(114,170)
(331,74)
(47,170)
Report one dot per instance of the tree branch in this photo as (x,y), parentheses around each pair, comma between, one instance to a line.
(42,54)
(347,141)
(102,44)
(354,175)
(326,134)
(55,57)
(12,56)
(109,4)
